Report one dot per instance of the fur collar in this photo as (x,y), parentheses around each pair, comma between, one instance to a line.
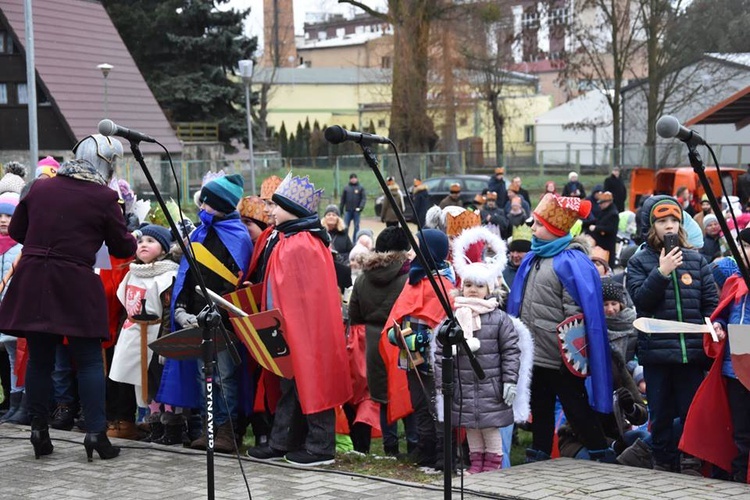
(375,260)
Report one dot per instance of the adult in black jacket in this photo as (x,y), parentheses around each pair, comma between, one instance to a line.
(677,286)
(352,203)
(420,196)
(604,228)
(341,244)
(614,185)
(497,185)
(573,187)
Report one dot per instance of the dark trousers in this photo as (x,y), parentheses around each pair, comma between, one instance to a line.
(292,429)
(423,402)
(120,400)
(739,404)
(390,431)
(359,432)
(548,384)
(87,354)
(670,389)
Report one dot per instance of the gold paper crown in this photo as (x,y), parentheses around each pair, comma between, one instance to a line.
(253,207)
(300,191)
(558,214)
(269,187)
(455,224)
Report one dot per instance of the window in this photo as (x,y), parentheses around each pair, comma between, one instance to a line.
(432,184)
(463,121)
(3,42)
(530,19)
(474,185)
(340,32)
(381,123)
(22,93)
(558,16)
(3,93)
(528,134)
(385,62)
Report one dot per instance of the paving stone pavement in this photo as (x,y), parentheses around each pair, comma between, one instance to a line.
(175,473)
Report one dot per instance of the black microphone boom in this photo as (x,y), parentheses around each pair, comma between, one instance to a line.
(336,134)
(669,127)
(108,128)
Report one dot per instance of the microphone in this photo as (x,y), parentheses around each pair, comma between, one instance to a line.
(668,127)
(108,127)
(336,134)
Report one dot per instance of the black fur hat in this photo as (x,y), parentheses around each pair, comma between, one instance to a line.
(392,239)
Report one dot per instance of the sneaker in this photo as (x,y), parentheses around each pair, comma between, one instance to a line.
(265,453)
(307,459)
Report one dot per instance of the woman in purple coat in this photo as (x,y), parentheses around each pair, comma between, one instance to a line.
(55,293)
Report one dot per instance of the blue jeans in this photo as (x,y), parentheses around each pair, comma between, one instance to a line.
(669,389)
(63,378)
(390,431)
(87,353)
(349,216)
(224,388)
(10,348)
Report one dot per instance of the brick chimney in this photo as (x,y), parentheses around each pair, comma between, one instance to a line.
(278,34)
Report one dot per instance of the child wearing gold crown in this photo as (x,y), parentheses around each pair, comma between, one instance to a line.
(554,285)
(502,346)
(300,281)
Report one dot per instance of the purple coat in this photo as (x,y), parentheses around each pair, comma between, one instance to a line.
(62,222)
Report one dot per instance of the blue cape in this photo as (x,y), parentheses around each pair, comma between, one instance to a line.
(581,280)
(180,381)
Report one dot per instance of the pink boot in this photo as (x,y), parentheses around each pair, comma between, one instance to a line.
(492,461)
(477,463)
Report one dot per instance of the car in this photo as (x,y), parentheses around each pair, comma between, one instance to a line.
(438,188)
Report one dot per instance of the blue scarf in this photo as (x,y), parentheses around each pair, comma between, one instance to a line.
(581,280)
(546,249)
(417,272)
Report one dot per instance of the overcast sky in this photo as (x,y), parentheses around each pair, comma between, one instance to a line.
(254,23)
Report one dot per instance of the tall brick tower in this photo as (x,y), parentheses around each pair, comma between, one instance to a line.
(278,34)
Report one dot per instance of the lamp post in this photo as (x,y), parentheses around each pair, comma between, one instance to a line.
(246,71)
(105,69)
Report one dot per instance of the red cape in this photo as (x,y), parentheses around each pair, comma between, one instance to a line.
(415,300)
(708,427)
(259,247)
(111,279)
(301,280)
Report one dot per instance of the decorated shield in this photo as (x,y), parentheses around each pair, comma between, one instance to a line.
(571,338)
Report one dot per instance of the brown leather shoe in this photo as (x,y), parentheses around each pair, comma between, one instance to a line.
(224,442)
(123,430)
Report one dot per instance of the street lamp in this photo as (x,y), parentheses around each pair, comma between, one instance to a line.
(246,71)
(105,69)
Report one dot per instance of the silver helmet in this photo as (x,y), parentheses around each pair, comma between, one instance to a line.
(101,151)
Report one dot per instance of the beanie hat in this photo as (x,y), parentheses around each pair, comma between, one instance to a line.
(47,166)
(223,194)
(664,208)
(159,233)
(392,239)
(722,269)
(436,242)
(491,268)
(708,219)
(8,203)
(13,180)
(332,208)
(364,232)
(519,245)
(356,251)
(612,290)
(558,213)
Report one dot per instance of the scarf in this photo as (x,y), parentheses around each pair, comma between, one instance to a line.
(468,311)
(153,269)
(6,243)
(546,249)
(417,272)
(310,224)
(82,170)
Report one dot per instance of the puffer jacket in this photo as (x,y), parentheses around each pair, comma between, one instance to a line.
(6,263)
(688,294)
(481,401)
(545,305)
(375,292)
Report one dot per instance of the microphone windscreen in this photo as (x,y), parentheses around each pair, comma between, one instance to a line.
(667,127)
(107,127)
(335,134)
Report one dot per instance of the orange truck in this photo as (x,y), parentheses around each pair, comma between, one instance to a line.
(647,181)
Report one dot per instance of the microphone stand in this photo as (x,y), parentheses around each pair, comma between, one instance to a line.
(449,334)
(209,320)
(698,167)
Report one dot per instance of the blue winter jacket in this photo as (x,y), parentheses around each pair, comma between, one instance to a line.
(6,262)
(689,295)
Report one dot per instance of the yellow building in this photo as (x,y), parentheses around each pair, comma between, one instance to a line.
(358,96)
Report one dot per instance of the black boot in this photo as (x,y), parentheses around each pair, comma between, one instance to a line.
(100,443)
(533,455)
(63,418)
(174,429)
(155,428)
(21,415)
(14,404)
(40,438)
(637,454)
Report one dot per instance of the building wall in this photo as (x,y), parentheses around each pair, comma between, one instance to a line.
(376,53)
(278,24)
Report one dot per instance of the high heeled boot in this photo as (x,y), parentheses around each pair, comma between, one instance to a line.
(100,443)
(40,439)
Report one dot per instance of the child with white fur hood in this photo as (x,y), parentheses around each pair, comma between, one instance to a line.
(502,346)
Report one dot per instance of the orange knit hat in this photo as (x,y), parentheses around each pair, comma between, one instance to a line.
(558,213)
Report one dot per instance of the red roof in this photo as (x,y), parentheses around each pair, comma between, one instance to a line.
(72,37)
